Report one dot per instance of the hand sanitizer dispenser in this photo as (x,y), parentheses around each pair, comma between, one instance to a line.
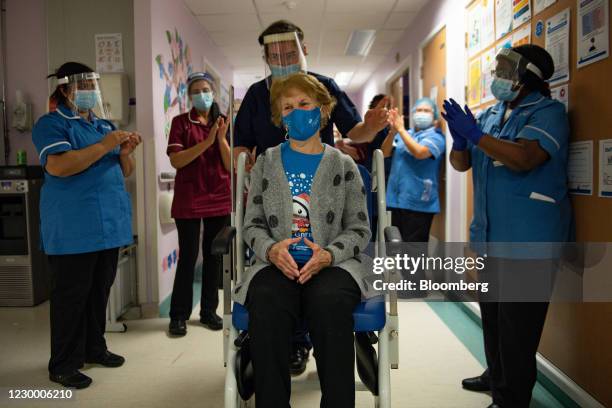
(115,91)
(22,113)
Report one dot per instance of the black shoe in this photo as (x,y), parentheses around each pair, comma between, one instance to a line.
(177,327)
(211,320)
(75,379)
(107,359)
(479,384)
(494,405)
(299,358)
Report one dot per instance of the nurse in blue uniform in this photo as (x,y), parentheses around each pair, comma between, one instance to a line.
(85,217)
(412,189)
(517,150)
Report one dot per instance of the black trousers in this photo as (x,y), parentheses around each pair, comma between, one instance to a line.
(181,302)
(414,227)
(80,285)
(512,332)
(276,306)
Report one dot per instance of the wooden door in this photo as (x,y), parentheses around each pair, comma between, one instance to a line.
(433,75)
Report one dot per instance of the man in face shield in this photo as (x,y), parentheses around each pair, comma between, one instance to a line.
(284,54)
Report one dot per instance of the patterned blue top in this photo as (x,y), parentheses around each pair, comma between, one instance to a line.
(300,169)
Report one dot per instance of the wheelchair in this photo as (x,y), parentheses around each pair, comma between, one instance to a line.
(375,319)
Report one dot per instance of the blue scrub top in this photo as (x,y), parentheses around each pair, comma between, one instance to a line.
(413,183)
(519,207)
(254,127)
(89,211)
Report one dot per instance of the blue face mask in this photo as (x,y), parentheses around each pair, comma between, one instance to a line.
(502,89)
(422,120)
(85,100)
(302,124)
(280,71)
(202,101)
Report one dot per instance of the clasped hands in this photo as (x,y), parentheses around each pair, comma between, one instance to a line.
(279,255)
(126,140)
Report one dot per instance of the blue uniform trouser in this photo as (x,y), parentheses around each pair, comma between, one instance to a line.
(80,285)
(512,330)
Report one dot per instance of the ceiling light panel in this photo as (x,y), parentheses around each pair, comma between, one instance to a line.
(360,42)
(198,7)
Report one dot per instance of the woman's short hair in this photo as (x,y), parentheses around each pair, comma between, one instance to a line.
(308,84)
(375,100)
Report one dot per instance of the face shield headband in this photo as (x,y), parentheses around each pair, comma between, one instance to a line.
(284,55)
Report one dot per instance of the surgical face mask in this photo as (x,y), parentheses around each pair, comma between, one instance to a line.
(85,100)
(202,101)
(281,71)
(422,120)
(502,89)
(302,124)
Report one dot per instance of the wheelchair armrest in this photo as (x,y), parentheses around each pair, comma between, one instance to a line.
(223,240)
(392,234)
(394,240)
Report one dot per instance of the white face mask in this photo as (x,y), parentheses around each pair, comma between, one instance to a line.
(422,120)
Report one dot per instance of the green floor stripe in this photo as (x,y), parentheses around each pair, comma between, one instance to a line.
(467,328)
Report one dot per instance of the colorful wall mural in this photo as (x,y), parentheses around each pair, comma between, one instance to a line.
(174,73)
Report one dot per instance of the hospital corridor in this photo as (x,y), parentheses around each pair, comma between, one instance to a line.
(305,203)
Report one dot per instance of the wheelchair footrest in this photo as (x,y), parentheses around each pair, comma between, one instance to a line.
(367,361)
(245,378)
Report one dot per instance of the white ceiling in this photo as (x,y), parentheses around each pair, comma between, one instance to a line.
(234,26)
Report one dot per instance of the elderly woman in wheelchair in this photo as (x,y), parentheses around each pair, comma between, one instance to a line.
(306,221)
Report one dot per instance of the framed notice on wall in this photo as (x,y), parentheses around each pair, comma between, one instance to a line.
(503,18)
(109,52)
(593,31)
(580,168)
(557,44)
(605,168)
(474,83)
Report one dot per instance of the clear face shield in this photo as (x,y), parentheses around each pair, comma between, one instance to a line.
(511,66)
(84,93)
(283,55)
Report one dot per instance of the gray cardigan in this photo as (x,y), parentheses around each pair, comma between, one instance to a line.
(338,214)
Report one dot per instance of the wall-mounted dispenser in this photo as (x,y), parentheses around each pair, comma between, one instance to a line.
(115,91)
(22,113)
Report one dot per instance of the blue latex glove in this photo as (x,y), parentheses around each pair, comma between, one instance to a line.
(459,142)
(462,122)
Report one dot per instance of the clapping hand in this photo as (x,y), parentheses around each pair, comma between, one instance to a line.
(462,124)
(376,118)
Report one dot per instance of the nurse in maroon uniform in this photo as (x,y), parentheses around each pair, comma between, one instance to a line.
(199,151)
